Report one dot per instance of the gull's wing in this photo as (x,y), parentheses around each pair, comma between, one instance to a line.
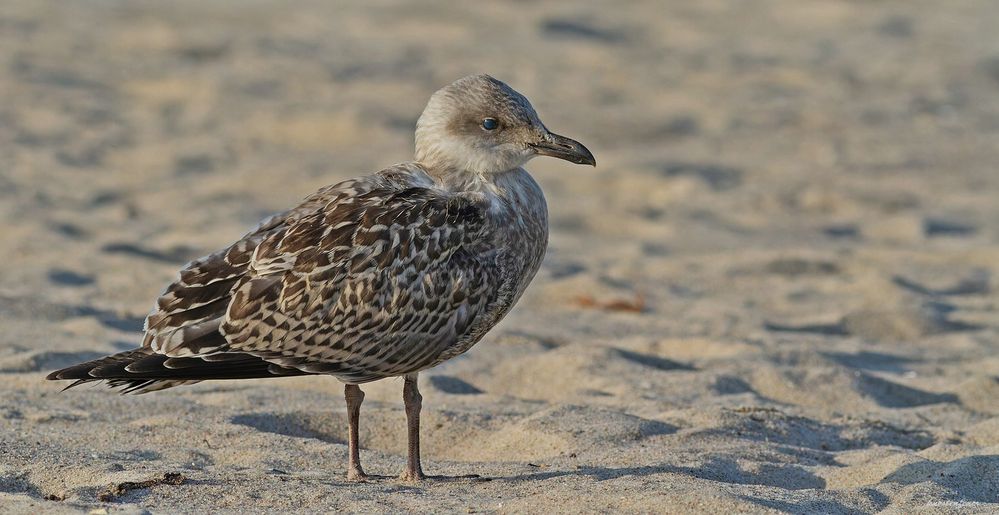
(187,317)
(190,311)
(373,283)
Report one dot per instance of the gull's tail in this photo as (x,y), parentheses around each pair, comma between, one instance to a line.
(142,370)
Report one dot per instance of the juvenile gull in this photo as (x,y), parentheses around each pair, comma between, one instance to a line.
(379,276)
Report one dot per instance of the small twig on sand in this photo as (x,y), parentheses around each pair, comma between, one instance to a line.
(634,305)
(114,491)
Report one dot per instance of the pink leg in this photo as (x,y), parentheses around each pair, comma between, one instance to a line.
(414,402)
(354,396)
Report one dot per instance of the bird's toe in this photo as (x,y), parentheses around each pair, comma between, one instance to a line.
(356,475)
(412,476)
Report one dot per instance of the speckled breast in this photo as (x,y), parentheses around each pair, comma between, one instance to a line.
(521,238)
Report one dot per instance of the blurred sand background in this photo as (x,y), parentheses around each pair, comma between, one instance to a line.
(777,291)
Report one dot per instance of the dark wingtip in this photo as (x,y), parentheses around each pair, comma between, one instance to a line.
(137,370)
(87,369)
(73,372)
(78,382)
(81,371)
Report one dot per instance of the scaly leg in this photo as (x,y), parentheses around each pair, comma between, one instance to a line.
(414,402)
(354,396)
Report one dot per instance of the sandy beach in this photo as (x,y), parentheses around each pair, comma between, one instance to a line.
(777,292)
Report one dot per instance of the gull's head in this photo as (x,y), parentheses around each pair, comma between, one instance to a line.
(478,124)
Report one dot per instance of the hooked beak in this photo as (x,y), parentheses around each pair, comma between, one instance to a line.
(562,147)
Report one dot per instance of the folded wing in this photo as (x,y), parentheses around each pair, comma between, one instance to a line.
(364,280)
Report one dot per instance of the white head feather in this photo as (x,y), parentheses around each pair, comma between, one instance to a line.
(450,137)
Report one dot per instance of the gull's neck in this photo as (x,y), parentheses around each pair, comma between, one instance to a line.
(498,184)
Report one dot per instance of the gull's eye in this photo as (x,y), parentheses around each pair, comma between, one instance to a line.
(490,124)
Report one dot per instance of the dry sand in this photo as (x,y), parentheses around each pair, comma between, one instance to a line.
(776,292)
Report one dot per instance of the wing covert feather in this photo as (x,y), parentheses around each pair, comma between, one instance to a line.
(364,279)
(373,286)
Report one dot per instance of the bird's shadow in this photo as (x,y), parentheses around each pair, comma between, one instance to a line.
(952,476)
(465,478)
(387,483)
(717,469)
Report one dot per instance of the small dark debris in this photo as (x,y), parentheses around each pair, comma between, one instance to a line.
(576,29)
(104,198)
(69,230)
(113,320)
(69,80)
(194,164)
(178,254)
(589,392)
(113,491)
(55,497)
(837,329)
(546,342)
(977,284)
(651,361)
(204,52)
(69,278)
(655,248)
(651,212)
(679,127)
(796,266)
(565,269)
(896,27)
(841,231)
(944,227)
(718,177)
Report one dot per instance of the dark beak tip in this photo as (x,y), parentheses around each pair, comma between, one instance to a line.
(565,148)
